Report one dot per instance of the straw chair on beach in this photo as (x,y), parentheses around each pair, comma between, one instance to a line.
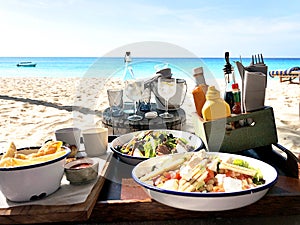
(287,75)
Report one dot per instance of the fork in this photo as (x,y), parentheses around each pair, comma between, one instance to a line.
(257,60)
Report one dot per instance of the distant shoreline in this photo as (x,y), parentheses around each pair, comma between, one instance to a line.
(140,57)
(110,66)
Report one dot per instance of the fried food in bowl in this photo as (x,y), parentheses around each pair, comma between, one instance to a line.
(32,173)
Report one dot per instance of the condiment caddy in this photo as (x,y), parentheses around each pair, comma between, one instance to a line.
(232,124)
(239,132)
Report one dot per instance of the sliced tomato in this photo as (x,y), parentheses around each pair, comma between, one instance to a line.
(210,175)
(241,177)
(168,175)
(178,177)
(229,173)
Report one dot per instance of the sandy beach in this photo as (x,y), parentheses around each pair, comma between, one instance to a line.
(33,108)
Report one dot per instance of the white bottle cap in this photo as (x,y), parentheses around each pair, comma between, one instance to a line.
(198,70)
(198,74)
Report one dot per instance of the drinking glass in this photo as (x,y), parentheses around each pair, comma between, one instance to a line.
(128,107)
(115,99)
(134,91)
(166,88)
(145,105)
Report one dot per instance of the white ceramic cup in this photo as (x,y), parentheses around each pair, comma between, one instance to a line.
(95,141)
(70,135)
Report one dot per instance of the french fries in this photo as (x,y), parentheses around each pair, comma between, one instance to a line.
(51,150)
(10,151)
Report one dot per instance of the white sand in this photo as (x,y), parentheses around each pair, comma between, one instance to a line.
(33,108)
(285,100)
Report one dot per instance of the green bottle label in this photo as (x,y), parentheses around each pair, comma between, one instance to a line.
(236,97)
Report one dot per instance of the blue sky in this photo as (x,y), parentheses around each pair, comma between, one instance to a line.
(94,27)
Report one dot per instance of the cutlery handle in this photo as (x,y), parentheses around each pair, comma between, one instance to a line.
(262,59)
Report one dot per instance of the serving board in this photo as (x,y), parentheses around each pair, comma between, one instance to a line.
(30,214)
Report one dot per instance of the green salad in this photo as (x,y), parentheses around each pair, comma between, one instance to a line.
(154,143)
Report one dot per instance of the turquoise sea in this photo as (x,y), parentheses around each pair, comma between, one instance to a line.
(113,67)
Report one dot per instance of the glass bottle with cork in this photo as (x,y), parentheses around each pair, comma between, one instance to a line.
(200,90)
(128,104)
(229,80)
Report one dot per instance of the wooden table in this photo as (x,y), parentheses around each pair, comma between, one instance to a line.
(283,199)
(121,125)
(281,205)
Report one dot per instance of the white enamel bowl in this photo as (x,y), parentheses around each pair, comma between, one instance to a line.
(32,182)
(193,140)
(197,201)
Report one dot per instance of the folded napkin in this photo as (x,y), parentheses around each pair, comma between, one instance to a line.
(254,91)
(261,67)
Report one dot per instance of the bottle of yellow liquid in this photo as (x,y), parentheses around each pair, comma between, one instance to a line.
(215,107)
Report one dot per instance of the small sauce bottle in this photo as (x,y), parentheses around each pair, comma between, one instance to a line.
(200,90)
(215,107)
(236,109)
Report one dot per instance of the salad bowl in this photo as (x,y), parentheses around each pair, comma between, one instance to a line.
(193,142)
(205,201)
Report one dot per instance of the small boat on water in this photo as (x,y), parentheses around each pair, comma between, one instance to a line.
(26,64)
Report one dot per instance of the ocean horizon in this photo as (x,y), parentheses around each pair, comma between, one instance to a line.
(60,67)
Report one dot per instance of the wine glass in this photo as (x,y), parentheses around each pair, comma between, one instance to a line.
(166,88)
(134,91)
